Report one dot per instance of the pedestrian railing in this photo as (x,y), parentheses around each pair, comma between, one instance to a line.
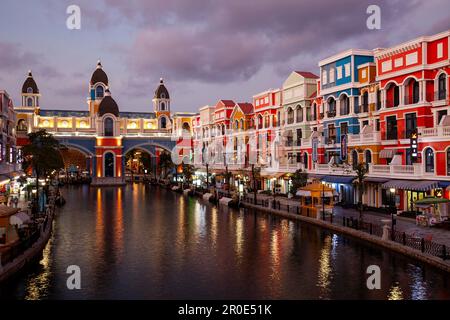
(423,244)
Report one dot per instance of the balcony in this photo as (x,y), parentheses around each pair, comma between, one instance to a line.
(439,131)
(330,140)
(331,114)
(399,171)
(364,138)
(291,166)
(336,169)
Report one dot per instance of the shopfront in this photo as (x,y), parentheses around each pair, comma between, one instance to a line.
(404,193)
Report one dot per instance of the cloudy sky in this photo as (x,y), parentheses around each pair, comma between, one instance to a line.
(204,49)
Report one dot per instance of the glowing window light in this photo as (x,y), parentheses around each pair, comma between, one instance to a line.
(149,125)
(46,123)
(133,125)
(65,124)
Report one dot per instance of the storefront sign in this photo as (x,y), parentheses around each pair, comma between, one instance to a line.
(343,147)
(413,145)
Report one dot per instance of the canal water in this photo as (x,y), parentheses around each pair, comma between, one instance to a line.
(144,242)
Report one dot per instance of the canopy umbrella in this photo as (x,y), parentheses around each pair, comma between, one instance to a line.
(432,200)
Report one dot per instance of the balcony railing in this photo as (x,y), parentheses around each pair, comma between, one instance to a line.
(411,99)
(371,137)
(330,140)
(440,95)
(331,114)
(291,166)
(390,103)
(439,131)
(396,170)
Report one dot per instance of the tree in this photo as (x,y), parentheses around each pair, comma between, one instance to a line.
(165,162)
(188,172)
(299,179)
(256,173)
(361,172)
(42,155)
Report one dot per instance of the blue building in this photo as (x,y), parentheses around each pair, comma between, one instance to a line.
(339,88)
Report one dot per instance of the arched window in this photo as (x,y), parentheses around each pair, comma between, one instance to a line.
(266,121)
(260,121)
(345,105)
(223,129)
(290,115)
(163,95)
(236,124)
(29,102)
(186,126)
(368,158)
(305,160)
(22,125)
(415,93)
(163,106)
(242,124)
(314,111)
(442,90)
(299,114)
(109,164)
(354,159)
(331,107)
(365,102)
(429,160)
(378,99)
(396,96)
(29,90)
(163,123)
(108,127)
(99,92)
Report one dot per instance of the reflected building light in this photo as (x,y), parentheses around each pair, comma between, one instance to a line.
(37,287)
(325,270)
(395,293)
(239,236)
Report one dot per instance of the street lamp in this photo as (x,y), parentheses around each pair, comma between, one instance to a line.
(323,200)
(393,213)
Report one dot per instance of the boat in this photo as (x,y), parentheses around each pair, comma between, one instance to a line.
(12,262)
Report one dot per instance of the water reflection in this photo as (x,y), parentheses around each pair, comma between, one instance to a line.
(38,285)
(145,242)
(395,292)
(325,270)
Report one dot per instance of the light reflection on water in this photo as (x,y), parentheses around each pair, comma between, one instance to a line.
(144,242)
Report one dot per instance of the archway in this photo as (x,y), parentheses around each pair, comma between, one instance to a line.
(77,164)
(139,162)
(109,164)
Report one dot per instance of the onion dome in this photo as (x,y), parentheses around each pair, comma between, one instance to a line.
(161,92)
(30,86)
(108,105)
(99,75)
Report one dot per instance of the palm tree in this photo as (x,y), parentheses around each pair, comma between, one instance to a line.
(165,162)
(188,172)
(42,155)
(299,179)
(255,176)
(361,172)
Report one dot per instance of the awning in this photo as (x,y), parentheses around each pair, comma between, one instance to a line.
(338,179)
(411,185)
(375,180)
(19,218)
(387,153)
(303,193)
(315,176)
(444,184)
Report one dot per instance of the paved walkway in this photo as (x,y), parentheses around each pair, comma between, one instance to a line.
(406,225)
